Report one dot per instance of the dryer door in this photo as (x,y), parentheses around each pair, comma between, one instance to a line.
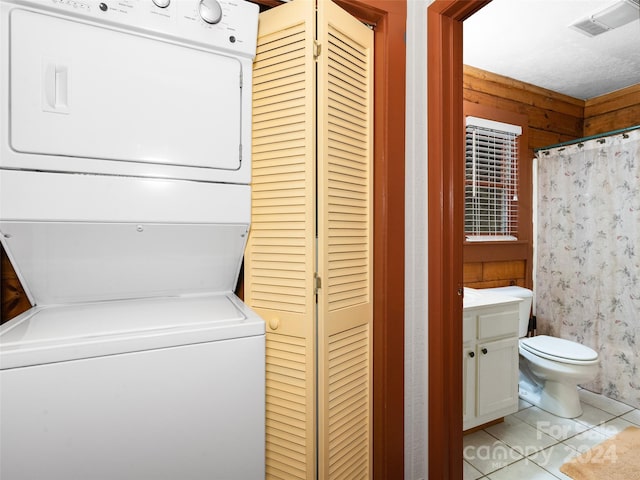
(94,95)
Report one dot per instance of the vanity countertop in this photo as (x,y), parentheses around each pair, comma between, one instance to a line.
(474,298)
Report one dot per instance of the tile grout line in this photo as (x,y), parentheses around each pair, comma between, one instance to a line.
(588,428)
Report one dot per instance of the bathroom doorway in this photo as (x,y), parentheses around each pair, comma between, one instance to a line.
(446,206)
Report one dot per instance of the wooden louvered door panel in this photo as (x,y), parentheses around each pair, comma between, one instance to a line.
(280,255)
(318,364)
(345,251)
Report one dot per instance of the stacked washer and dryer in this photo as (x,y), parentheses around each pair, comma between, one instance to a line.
(125,132)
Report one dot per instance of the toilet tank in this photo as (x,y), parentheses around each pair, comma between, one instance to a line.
(525,305)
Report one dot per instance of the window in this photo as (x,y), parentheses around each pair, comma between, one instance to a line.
(491,182)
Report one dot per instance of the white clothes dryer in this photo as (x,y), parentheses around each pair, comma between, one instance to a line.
(125,134)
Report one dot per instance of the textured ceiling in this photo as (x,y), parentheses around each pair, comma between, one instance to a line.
(530,41)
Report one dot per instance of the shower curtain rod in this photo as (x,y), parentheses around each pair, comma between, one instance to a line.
(585,139)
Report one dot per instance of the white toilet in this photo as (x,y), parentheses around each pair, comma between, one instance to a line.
(550,368)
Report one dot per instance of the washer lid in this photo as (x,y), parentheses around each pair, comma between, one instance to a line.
(71,332)
(559,349)
(93,238)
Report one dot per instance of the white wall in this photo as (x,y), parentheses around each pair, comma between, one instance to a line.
(416,291)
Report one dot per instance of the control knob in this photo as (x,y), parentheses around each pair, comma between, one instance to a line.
(162,3)
(210,11)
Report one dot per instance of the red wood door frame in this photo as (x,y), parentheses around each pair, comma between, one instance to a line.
(446,212)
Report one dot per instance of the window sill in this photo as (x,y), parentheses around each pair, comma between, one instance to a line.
(490,238)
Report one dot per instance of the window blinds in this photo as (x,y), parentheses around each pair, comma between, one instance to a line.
(491,183)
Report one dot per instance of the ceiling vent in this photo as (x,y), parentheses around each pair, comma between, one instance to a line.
(614,16)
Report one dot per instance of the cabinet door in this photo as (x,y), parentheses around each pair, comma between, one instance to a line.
(497,375)
(468,382)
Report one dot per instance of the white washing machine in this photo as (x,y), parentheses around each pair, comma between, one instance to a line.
(124,208)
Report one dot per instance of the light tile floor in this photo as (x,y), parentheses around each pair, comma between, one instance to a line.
(533,444)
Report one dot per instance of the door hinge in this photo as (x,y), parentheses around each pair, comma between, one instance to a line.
(317,283)
(317,48)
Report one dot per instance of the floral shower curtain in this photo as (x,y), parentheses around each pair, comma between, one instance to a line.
(588,255)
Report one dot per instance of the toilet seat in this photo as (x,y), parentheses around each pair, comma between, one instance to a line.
(559,350)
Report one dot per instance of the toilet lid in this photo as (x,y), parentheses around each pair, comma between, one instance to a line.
(559,348)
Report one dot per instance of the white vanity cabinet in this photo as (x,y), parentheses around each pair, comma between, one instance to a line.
(490,359)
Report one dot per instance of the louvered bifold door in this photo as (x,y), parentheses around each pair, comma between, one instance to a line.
(345,307)
(280,254)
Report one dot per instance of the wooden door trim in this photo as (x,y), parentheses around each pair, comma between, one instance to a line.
(446,211)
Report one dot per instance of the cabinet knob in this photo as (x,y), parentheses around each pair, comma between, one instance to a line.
(472,354)
(484,351)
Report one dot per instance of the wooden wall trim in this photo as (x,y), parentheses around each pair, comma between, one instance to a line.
(446,203)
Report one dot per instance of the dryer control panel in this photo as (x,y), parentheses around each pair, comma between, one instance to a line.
(229,25)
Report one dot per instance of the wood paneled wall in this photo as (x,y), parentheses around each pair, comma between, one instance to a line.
(495,274)
(13,299)
(553,118)
(613,111)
